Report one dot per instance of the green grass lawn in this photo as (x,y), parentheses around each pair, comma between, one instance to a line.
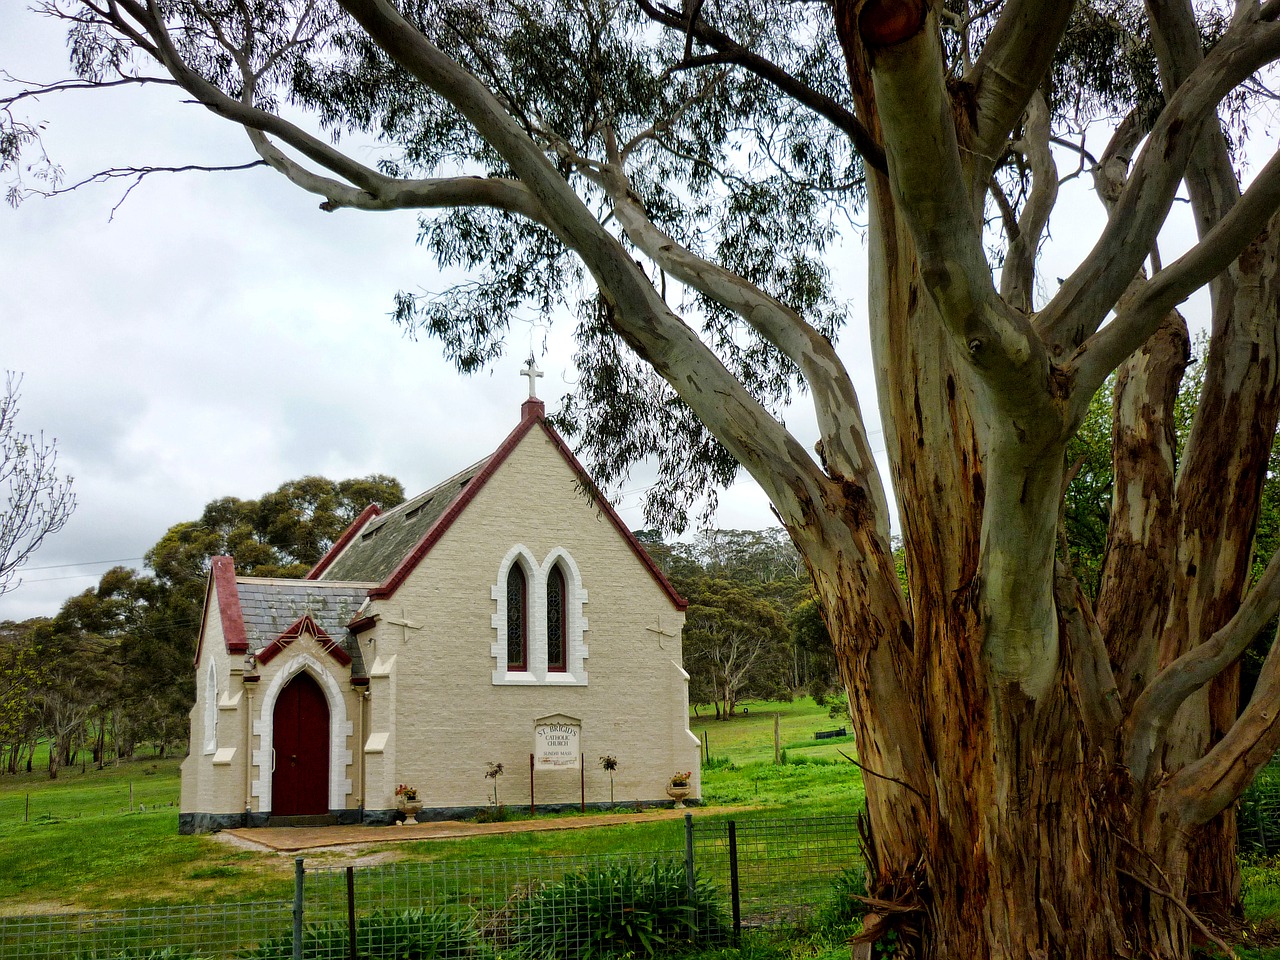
(77,843)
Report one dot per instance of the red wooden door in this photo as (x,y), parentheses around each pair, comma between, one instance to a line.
(300,783)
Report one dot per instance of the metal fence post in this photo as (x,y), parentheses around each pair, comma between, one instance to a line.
(733,881)
(298,874)
(688,854)
(351,914)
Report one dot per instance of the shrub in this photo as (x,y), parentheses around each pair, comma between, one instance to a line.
(622,909)
(844,906)
(409,935)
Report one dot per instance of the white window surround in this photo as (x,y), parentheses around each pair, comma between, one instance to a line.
(340,730)
(536,575)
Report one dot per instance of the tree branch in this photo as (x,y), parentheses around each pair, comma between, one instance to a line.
(739,421)
(733,52)
(1203,789)
(844,444)
(1082,303)
(1012,64)
(1107,348)
(1017,278)
(1155,708)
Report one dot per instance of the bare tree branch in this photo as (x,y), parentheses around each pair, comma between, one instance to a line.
(1107,348)
(733,52)
(37,502)
(1155,708)
(1017,278)
(1011,66)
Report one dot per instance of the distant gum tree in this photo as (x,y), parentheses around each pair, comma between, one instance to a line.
(1050,772)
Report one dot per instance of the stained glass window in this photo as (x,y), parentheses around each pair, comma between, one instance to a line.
(555,621)
(517,620)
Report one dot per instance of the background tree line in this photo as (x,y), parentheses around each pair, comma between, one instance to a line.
(753,629)
(114,667)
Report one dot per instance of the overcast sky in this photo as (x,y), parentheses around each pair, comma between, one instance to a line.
(216,334)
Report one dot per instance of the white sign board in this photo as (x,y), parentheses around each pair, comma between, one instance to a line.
(556,746)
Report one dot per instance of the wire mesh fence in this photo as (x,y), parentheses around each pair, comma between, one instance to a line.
(220,930)
(775,871)
(694,894)
(1258,815)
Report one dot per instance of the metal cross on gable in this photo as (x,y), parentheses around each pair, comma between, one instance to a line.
(661,632)
(404,623)
(533,373)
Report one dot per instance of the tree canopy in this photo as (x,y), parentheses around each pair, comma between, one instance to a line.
(1053,767)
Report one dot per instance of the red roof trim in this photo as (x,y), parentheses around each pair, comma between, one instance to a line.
(361,624)
(223,577)
(304,624)
(453,511)
(349,534)
(533,411)
(603,503)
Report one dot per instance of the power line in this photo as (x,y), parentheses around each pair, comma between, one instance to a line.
(84,563)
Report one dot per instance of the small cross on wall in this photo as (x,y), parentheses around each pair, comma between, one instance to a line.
(662,632)
(404,623)
(532,372)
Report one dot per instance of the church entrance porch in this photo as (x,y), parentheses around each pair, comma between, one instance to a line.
(300,771)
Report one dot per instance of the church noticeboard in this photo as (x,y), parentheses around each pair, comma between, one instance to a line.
(557,743)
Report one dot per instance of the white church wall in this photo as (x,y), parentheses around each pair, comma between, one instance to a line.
(213,774)
(452,719)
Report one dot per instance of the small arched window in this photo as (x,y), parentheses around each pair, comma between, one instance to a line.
(517,619)
(557,634)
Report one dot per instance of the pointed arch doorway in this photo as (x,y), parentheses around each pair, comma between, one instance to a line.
(300,724)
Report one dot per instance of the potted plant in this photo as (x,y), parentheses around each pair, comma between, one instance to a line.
(407,800)
(680,787)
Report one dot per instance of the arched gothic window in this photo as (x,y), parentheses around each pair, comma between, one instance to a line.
(557,635)
(517,619)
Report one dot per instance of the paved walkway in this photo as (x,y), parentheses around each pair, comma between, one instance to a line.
(296,839)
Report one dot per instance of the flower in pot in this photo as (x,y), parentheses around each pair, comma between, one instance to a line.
(679,787)
(407,800)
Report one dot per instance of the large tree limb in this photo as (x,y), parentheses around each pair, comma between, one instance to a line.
(930,184)
(788,475)
(1203,789)
(730,51)
(1012,65)
(1084,300)
(1107,348)
(845,447)
(1155,708)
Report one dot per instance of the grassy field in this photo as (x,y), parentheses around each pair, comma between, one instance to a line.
(109,838)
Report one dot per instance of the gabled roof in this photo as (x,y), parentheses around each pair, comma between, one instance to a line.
(374,544)
(255,612)
(431,514)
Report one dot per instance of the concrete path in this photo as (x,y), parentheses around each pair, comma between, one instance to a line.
(297,839)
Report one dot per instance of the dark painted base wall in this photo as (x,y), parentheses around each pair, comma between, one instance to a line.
(189,823)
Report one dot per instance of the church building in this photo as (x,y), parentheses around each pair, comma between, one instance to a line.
(505,616)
